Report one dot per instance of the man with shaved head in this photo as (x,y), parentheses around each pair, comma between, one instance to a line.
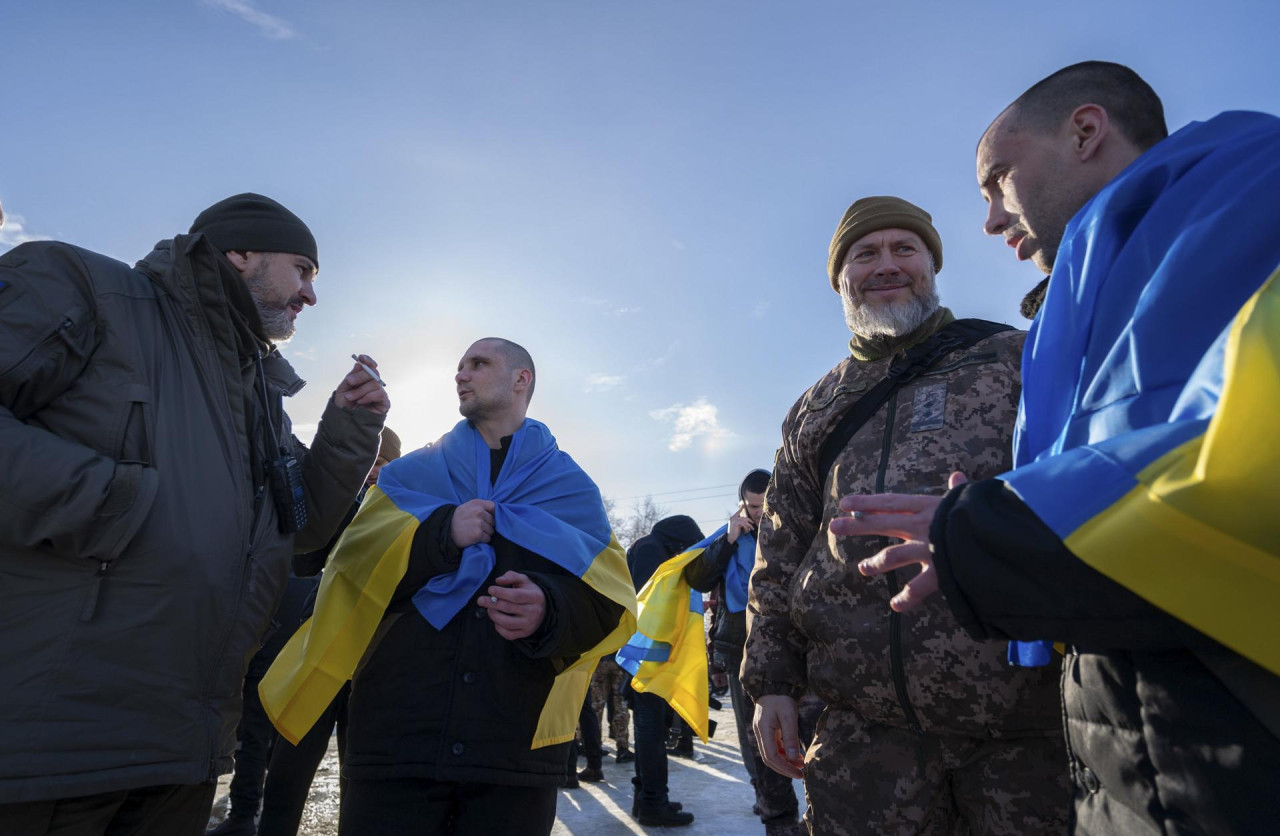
(459,719)
(1139,525)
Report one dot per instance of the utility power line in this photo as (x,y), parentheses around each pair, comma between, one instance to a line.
(669,493)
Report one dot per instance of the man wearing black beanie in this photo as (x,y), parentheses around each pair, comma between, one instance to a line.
(151,497)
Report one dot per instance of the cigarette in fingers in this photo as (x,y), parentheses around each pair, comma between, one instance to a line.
(371,372)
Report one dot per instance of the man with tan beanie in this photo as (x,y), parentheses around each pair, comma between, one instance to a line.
(926,730)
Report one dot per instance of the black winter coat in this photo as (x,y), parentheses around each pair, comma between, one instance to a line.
(704,573)
(140,556)
(1158,743)
(462,704)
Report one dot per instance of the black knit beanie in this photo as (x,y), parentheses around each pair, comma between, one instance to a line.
(257,224)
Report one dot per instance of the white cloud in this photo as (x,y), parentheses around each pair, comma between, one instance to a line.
(761,309)
(270,26)
(699,418)
(603,382)
(14,232)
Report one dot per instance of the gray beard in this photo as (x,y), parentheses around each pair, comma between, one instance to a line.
(276,325)
(892,320)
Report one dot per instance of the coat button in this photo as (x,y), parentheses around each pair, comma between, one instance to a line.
(468,677)
(479,612)
(458,749)
(1090,781)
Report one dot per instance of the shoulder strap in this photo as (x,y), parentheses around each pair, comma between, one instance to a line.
(957,334)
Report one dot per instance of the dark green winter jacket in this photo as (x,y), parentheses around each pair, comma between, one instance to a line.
(137,570)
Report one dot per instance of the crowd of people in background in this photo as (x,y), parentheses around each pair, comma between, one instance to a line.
(181,578)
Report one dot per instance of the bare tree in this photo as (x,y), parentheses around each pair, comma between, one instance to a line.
(631,527)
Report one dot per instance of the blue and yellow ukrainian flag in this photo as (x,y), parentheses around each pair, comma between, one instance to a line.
(1147,436)
(542,501)
(668,654)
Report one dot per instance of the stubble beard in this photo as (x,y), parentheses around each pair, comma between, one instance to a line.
(894,319)
(276,324)
(475,409)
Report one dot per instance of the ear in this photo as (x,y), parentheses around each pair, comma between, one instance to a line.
(1090,127)
(242,260)
(523,378)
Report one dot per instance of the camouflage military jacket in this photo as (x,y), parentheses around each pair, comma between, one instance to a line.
(815,623)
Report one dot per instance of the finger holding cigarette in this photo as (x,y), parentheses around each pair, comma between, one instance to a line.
(371,369)
(362,387)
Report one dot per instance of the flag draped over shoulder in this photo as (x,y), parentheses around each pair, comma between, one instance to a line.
(667,655)
(737,572)
(542,501)
(1147,438)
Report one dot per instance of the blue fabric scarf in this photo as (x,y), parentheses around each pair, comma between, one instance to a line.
(542,501)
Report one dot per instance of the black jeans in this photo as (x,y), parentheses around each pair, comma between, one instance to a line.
(255,735)
(412,806)
(775,795)
(170,810)
(589,730)
(293,768)
(649,713)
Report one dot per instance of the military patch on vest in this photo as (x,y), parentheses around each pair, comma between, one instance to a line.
(929,407)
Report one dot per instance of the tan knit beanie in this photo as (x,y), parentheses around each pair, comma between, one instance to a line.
(390,449)
(874,213)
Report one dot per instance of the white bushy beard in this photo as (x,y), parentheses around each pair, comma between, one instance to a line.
(894,319)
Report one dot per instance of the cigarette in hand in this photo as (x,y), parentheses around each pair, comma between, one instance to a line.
(371,372)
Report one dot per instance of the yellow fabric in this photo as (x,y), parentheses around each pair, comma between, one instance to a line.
(1199,536)
(607,575)
(665,617)
(362,574)
(366,566)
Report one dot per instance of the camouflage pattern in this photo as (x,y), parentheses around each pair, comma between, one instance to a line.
(815,623)
(606,689)
(876,780)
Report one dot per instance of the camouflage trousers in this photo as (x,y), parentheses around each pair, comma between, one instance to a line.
(606,695)
(868,779)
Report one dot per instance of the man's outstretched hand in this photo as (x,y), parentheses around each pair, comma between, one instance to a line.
(906,517)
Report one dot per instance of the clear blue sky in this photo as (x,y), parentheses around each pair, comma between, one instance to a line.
(640,193)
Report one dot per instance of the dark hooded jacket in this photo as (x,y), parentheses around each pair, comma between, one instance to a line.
(140,555)
(668,538)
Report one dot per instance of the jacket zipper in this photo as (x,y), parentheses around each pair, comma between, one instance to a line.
(895,619)
(91,603)
(254,525)
(20,370)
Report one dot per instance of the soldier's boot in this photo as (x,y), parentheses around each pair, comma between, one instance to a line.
(234,825)
(785,828)
(663,815)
